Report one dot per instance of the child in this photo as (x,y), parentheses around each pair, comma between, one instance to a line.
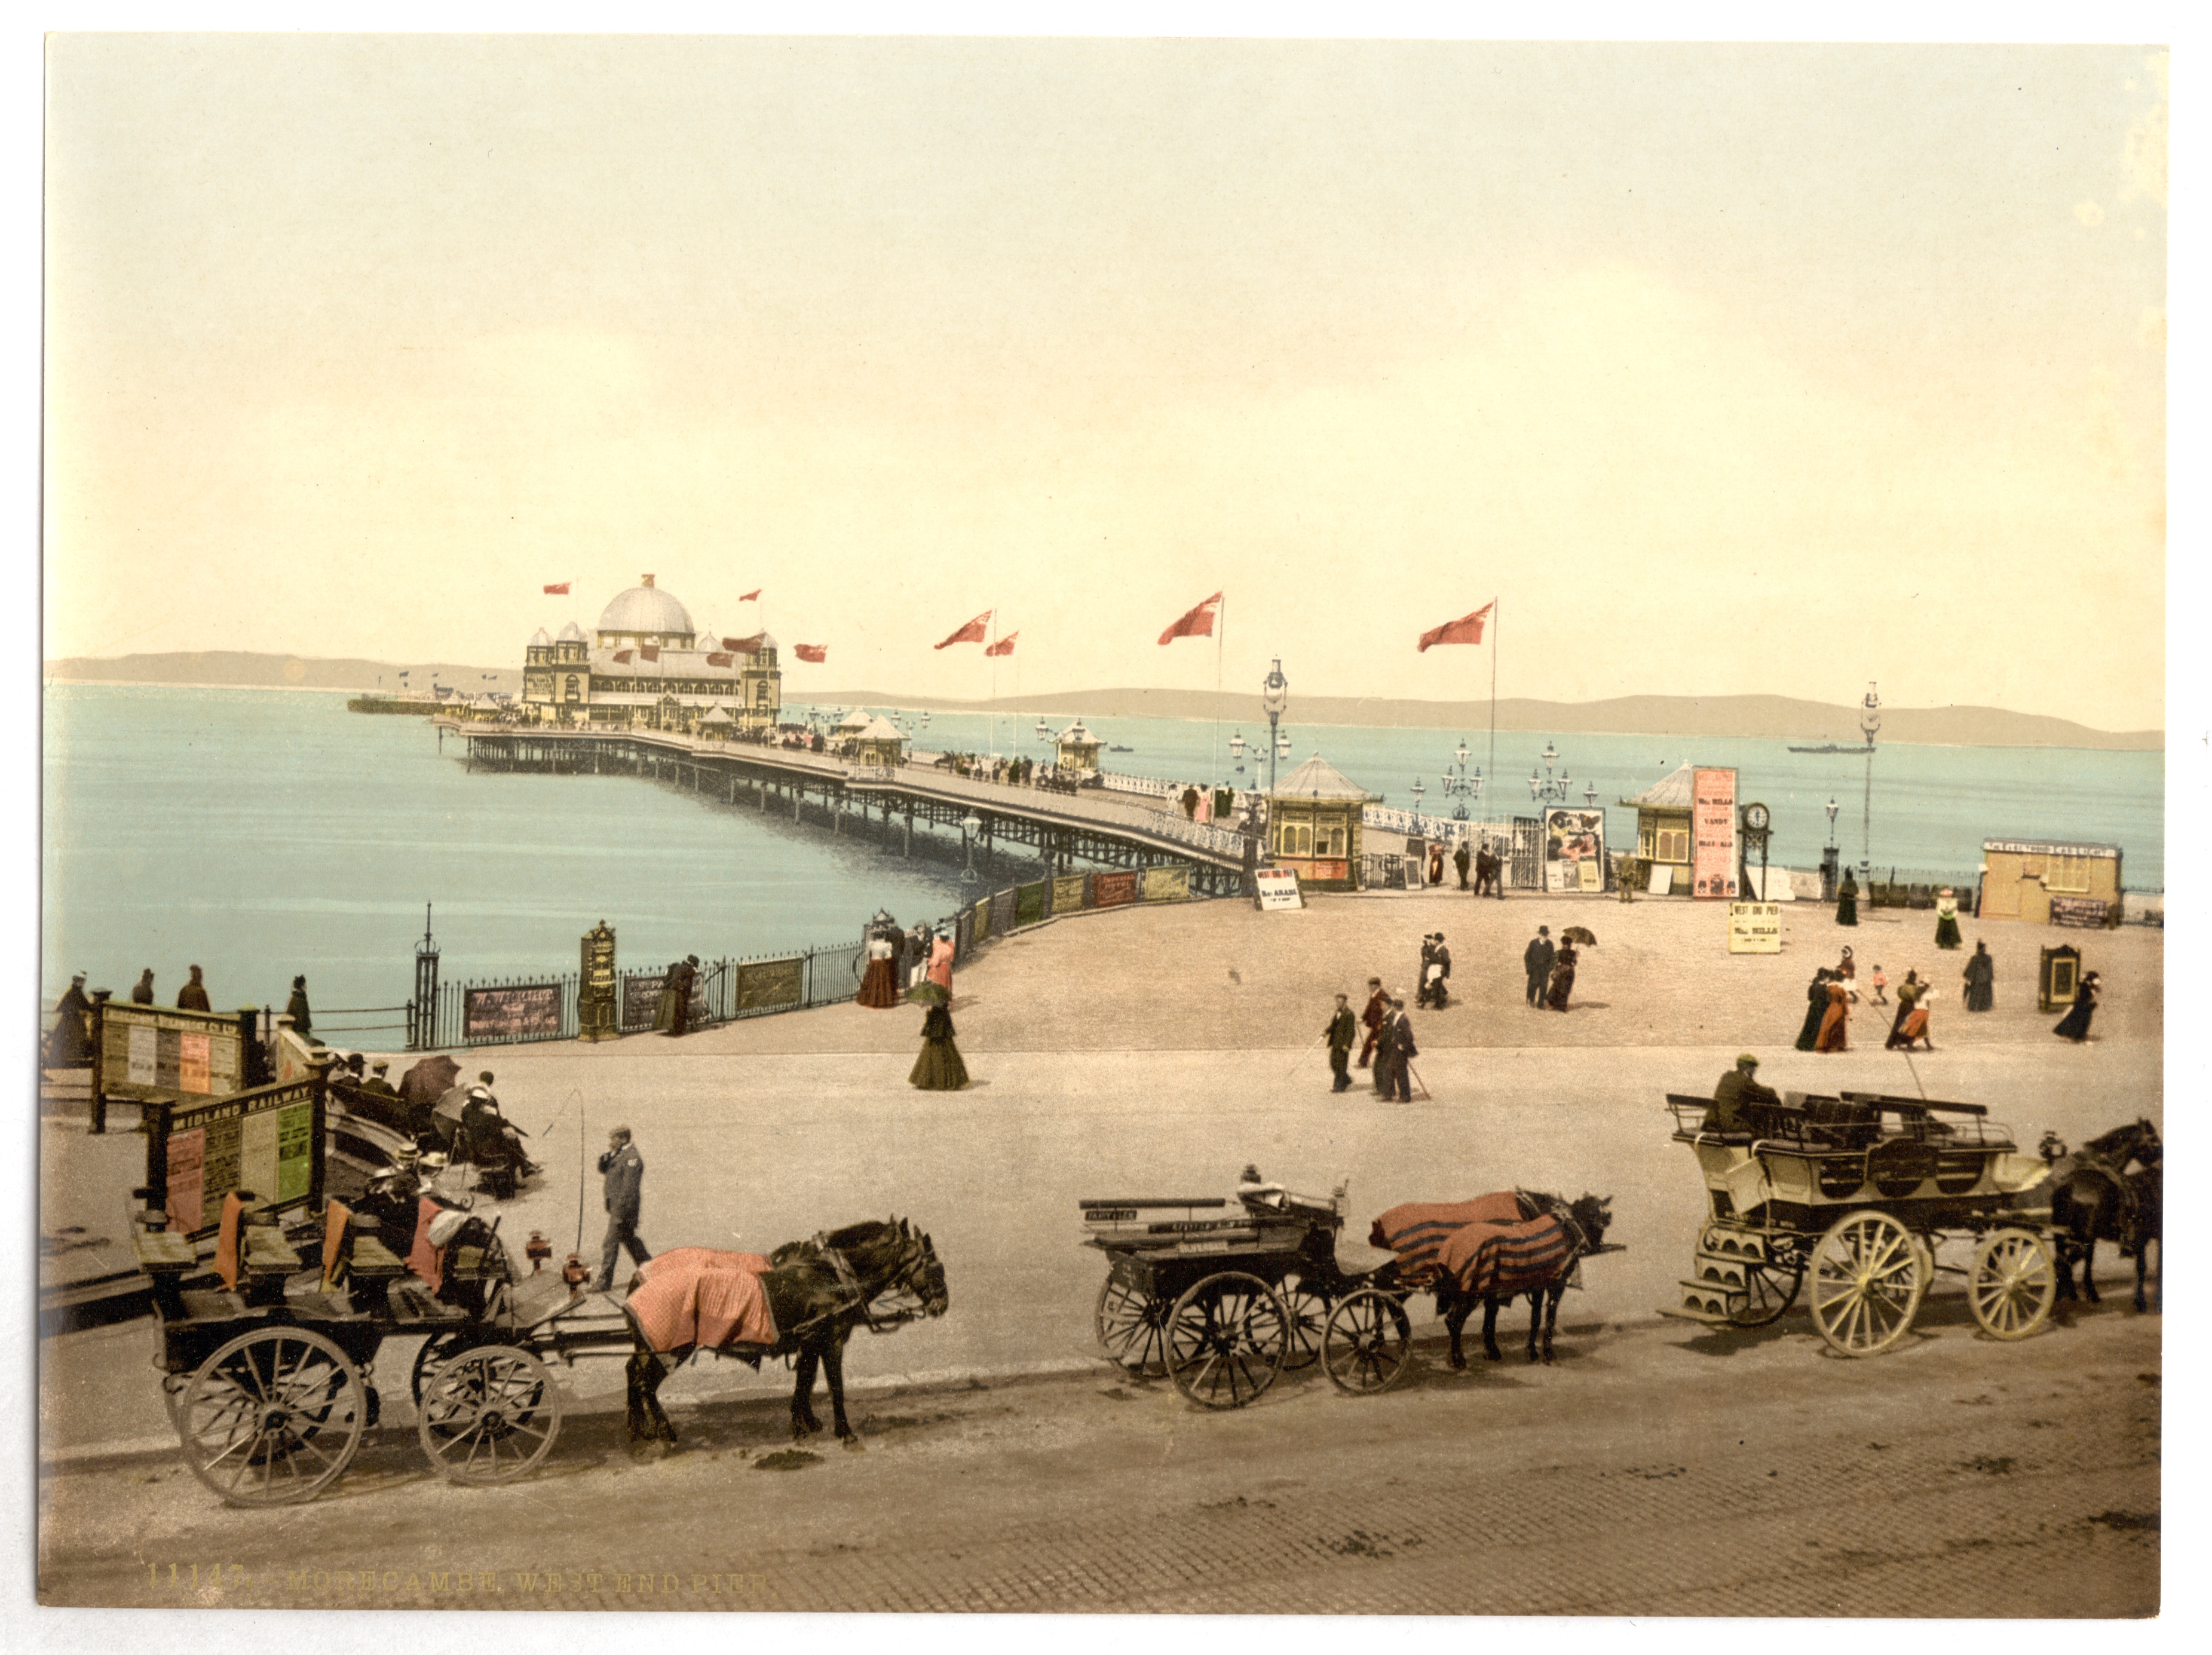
(1881,983)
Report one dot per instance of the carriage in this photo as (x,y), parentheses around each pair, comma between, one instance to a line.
(1856,1192)
(1222,1295)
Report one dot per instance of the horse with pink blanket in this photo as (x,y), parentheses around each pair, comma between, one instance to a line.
(1490,1251)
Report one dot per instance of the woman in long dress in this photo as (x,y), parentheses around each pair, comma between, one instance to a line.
(1835,1022)
(1946,919)
(1847,901)
(2075,1026)
(879,982)
(1908,996)
(1981,974)
(936,985)
(939,1068)
(1816,1008)
(1563,977)
(1915,1026)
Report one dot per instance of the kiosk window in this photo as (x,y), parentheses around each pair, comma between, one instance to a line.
(1672,845)
(2067,873)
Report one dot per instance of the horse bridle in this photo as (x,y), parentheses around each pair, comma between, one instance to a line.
(901,1301)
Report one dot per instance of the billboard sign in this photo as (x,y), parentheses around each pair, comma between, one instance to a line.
(1574,840)
(1712,836)
(1754,927)
(531,1013)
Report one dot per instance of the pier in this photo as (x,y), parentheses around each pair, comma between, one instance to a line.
(1037,826)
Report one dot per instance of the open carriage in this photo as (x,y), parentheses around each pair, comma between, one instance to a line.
(1855,1193)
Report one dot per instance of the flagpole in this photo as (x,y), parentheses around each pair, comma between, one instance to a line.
(1496,609)
(1220,642)
(991,649)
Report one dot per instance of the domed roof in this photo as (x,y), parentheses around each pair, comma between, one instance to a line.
(646,609)
(571,633)
(767,641)
(539,640)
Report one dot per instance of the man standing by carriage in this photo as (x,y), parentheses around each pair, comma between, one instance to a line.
(624,1171)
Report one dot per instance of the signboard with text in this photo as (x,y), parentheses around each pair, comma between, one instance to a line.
(267,1140)
(1712,835)
(1574,840)
(764,984)
(146,1052)
(1754,927)
(531,1011)
(1279,888)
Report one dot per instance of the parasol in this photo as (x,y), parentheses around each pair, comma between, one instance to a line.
(1580,933)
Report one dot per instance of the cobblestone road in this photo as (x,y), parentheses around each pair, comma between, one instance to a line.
(1652,1471)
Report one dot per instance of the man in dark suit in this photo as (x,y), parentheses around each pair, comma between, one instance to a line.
(1343,1029)
(1460,861)
(1536,959)
(1378,1007)
(624,1170)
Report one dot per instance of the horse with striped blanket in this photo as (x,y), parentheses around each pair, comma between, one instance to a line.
(1489,1252)
(803,1301)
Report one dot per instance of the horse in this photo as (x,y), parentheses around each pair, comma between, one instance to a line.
(818,1292)
(2095,1198)
(1585,1221)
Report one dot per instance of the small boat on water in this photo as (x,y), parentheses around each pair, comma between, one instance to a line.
(1831,747)
(1121,749)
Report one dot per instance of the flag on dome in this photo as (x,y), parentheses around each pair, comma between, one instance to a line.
(1004,646)
(745,646)
(720,658)
(623,655)
(560,591)
(816,653)
(650,651)
(1468,629)
(1199,623)
(972,633)
(749,597)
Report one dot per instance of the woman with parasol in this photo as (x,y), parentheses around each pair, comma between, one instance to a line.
(1562,967)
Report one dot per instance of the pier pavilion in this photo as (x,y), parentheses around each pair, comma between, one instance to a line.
(645,667)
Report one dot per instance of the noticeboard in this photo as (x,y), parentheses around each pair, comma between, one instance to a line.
(766,984)
(1712,835)
(1574,839)
(1067,894)
(2088,912)
(1112,889)
(268,1141)
(529,1012)
(640,999)
(1754,927)
(1167,885)
(1279,888)
(149,1052)
(1030,904)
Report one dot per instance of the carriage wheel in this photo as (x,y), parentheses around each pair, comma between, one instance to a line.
(272,1416)
(1132,1328)
(1307,1308)
(1226,1339)
(489,1414)
(438,1348)
(2013,1284)
(1868,1278)
(1770,1289)
(1365,1345)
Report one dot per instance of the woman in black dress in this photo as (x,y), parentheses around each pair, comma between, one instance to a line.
(939,1068)
(1981,975)
(2075,1026)
(1847,901)
(1563,975)
(1816,1007)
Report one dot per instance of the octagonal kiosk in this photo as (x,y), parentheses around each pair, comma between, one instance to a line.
(1077,749)
(1314,818)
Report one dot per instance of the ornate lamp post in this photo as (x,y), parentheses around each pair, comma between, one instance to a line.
(1461,785)
(1870,727)
(970,825)
(1275,698)
(1550,788)
(1417,791)
(1831,821)
(1236,750)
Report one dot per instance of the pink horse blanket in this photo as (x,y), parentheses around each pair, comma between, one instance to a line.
(696,1296)
(1484,1244)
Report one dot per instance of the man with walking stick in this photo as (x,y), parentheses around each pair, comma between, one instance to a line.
(1343,1029)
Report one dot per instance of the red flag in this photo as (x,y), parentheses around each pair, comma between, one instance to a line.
(749,597)
(560,591)
(972,633)
(622,655)
(1468,629)
(1004,646)
(650,651)
(816,653)
(745,646)
(720,658)
(1199,623)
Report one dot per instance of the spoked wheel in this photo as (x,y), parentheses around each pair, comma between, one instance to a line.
(2013,1284)
(1307,1310)
(1367,1343)
(1868,1278)
(437,1350)
(1226,1339)
(489,1414)
(1770,1289)
(271,1417)
(1132,1328)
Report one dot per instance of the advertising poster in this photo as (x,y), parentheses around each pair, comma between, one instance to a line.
(1573,838)
(1754,927)
(1712,836)
(1279,888)
(531,1013)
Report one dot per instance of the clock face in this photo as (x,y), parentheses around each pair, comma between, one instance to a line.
(1756,818)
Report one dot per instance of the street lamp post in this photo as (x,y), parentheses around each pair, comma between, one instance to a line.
(1550,788)
(1275,698)
(1460,785)
(970,825)
(1417,791)
(1870,727)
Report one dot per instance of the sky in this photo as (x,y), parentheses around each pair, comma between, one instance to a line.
(1723,370)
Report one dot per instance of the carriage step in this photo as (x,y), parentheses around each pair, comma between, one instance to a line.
(1712,1271)
(1722,1241)
(1702,1302)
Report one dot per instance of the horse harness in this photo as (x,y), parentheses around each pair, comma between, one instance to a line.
(905,1307)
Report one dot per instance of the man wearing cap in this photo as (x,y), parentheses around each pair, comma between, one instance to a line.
(376,1084)
(1737,1089)
(1536,959)
(624,1170)
(193,996)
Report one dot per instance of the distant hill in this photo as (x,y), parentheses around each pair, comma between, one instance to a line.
(1772,717)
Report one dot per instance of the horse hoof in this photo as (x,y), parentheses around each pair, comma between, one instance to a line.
(852,1444)
(1458,1361)
(1493,1356)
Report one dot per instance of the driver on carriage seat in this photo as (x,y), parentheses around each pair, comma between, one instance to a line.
(1254,1191)
(1738,1088)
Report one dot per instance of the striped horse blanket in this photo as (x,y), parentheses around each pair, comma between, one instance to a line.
(1490,1246)
(699,1297)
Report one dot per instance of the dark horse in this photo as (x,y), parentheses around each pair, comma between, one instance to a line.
(818,1291)
(1586,1220)
(2096,1197)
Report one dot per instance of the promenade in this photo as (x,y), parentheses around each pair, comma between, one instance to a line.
(1156,1051)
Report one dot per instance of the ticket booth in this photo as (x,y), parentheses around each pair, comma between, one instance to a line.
(1077,749)
(1314,818)
(2043,882)
(1663,830)
(879,742)
(2056,979)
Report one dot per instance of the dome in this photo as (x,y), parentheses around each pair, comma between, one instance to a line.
(646,609)
(767,641)
(571,633)
(539,640)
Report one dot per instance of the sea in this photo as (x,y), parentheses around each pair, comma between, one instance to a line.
(263,834)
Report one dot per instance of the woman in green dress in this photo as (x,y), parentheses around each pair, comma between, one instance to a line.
(939,1068)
